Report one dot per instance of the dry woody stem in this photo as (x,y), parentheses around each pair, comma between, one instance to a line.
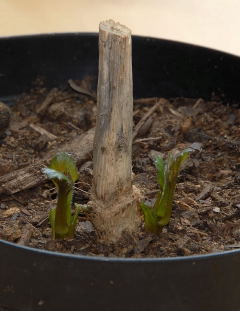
(112,152)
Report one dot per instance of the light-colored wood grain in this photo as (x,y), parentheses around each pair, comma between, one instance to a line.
(113,138)
(116,209)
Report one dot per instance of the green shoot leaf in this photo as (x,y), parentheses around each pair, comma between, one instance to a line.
(56,176)
(51,217)
(83,209)
(150,218)
(159,215)
(63,173)
(65,164)
(74,220)
(160,166)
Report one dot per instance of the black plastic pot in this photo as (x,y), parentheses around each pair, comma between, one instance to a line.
(31,279)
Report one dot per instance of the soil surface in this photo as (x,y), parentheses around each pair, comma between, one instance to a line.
(206,211)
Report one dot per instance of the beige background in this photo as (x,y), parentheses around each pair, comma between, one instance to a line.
(213,23)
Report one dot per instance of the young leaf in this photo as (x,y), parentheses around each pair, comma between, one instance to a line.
(160,166)
(74,220)
(63,173)
(150,218)
(55,175)
(65,164)
(167,173)
(51,216)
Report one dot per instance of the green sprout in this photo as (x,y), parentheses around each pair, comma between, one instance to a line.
(63,173)
(167,172)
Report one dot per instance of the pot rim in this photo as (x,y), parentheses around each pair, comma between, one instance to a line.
(192,258)
(95,34)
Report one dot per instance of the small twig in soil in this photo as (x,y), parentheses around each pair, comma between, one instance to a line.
(198,102)
(144,118)
(80,90)
(83,183)
(72,126)
(47,102)
(17,200)
(42,131)
(175,113)
(232,216)
(152,192)
(230,246)
(52,190)
(143,140)
(136,112)
(79,189)
(197,231)
(12,198)
(25,211)
(183,205)
(42,221)
(26,235)
(149,100)
(205,192)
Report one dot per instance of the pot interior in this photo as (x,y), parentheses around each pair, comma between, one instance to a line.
(160,67)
